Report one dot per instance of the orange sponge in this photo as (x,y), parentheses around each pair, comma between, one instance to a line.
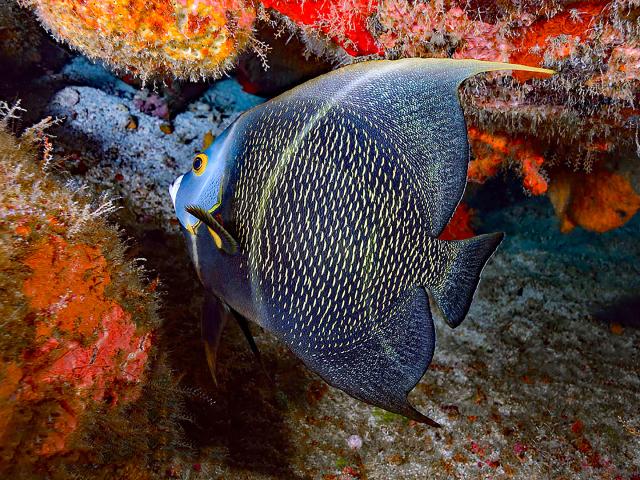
(597,201)
(180,38)
(78,330)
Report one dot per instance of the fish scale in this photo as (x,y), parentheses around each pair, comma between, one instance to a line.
(369,197)
(332,197)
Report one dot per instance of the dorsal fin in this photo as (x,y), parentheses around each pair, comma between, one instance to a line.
(412,104)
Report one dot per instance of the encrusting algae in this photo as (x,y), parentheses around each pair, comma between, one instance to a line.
(76,331)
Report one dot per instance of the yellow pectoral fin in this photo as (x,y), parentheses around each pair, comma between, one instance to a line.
(223,239)
(216,238)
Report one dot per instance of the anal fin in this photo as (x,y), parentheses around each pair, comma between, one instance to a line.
(385,367)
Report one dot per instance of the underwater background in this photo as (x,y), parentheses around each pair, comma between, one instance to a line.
(102,369)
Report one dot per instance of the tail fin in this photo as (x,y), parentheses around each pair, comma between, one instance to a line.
(454,291)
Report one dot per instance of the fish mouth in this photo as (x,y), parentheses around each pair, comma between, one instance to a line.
(173,189)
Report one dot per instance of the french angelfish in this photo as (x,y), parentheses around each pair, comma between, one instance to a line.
(316,215)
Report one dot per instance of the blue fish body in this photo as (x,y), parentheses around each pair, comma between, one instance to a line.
(316,215)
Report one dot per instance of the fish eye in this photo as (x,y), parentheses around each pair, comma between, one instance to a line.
(199,163)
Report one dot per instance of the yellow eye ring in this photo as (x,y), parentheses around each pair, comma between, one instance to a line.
(199,164)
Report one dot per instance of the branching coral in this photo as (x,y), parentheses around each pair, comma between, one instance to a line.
(556,37)
(492,151)
(76,320)
(180,38)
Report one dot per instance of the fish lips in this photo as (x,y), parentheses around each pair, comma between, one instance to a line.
(173,189)
(188,221)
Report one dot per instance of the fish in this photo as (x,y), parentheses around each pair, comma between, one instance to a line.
(316,215)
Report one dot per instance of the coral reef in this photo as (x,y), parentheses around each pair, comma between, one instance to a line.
(581,117)
(184,38)
(77,322)
(492,151)
(540,381)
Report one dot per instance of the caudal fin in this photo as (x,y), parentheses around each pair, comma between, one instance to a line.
(453,291)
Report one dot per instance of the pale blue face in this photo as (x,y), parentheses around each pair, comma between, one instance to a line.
(202,185)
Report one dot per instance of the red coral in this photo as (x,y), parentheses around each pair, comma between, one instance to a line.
(459,227)
(409,26)
(573,22)
(343,20)
(623,69)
